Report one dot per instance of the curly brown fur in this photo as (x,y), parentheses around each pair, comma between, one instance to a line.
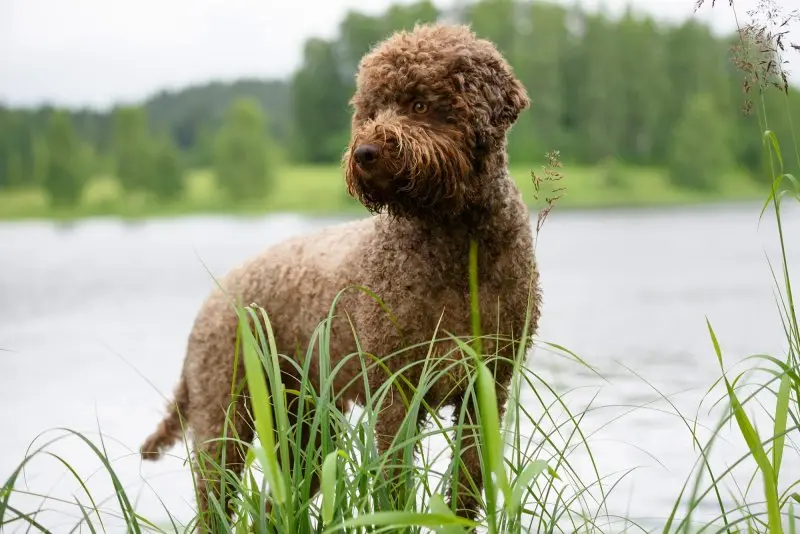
(434,105)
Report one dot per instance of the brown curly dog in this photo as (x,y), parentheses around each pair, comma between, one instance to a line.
(432,108)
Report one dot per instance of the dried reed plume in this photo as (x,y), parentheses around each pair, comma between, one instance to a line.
(550,175)
(761,47)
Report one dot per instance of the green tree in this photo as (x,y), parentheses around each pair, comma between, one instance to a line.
(16,151)
(65,178)
(320,94)
(358,32)
(40,159)
(132,151)
(697,62)
(168,183)
(643,57)
(5,134)
(242,152)
(600,83)
(202,153)
(700,151)
(494,20)
(405,16)
(14,176)
(537,57)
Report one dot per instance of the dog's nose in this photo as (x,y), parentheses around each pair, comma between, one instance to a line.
(365,155)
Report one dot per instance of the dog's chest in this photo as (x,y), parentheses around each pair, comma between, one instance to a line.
(422,285)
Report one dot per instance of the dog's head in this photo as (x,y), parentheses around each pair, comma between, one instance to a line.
(430,106)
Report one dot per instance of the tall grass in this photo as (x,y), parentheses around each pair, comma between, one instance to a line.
(533,485)
(773,391)
(530,482)
(533,482)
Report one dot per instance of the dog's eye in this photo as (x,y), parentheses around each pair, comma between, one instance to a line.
(419,107)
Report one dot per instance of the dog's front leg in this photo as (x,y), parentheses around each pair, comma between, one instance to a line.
(389,422)
(470,479)
(467,496)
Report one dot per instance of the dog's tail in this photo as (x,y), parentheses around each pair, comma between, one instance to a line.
(169,430)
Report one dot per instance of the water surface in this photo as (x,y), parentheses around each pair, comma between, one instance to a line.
(94,318)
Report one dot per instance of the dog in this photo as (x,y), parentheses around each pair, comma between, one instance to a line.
(428,159)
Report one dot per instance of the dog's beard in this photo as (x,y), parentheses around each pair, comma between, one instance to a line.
(420,172)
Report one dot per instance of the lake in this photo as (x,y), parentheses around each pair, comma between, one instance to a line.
(94,317)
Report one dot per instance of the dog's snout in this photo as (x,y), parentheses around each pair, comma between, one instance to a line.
(366,155)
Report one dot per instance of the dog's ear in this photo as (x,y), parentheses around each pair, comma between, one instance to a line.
(513,100)
(504,94)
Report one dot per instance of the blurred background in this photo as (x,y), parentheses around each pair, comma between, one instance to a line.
(144,108)
(146,146)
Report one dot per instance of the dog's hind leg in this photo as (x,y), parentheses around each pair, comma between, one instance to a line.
(298,439)
(220,447)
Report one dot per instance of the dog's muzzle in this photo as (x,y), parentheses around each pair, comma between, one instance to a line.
(371,172)
(366,156)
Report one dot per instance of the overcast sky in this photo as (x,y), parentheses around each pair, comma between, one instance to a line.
(97,52)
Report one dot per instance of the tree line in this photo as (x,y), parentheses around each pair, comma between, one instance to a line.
(603,90)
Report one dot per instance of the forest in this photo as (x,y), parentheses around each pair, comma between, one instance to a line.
(622,97)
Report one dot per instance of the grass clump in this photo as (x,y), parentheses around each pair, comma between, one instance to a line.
(356,493)
(759,499)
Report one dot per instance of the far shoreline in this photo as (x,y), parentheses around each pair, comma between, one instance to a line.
(352,214)
(318,191)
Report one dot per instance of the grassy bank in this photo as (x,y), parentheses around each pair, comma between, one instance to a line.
(320,190)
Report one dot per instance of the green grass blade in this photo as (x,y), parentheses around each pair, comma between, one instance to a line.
(83,486)
(530,472)
(404,519)
(439,507)
(85,518)
(28,518)
(328,486)
(330,469)
(262,412)
(769,136)
(781,416)
(490,429)
(753,441)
